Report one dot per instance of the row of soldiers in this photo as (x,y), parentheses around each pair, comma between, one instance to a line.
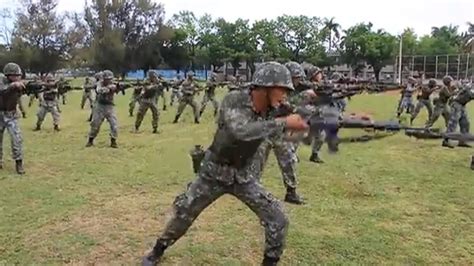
(450,104)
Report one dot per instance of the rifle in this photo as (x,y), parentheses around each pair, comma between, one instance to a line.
(35,88)
(122,86)
(431,134)
(332,121)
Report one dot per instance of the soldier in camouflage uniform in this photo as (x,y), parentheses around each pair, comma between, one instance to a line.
(137,91)
(210,95)
(189,88)
(98,78)
(161,93)
(406,101)
(285,151)
(88,93)
(315,75)
(62,91)
(442,103)
(49,104)
(175,91)
(424,100)
(33,96)
(341,103)
(10,91)
(104,109)
(233,163)
(148,100)
(459,115)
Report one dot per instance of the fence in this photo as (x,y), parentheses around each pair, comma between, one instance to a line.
(459,66)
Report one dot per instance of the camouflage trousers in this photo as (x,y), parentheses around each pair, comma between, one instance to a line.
(285,153)
(420,104)
(188,100)
(133,102)
(9,121)
(87,96)
(406,103)
(163,97)
(100,113)
(458,117)
(204,191)
(49,107)
(143,108)
(175,96)
(63,97)
(341,104)
(209,98)
(439,109)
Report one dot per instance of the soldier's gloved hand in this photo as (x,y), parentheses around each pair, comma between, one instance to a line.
(295,122)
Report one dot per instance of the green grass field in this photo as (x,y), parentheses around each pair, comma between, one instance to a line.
(393,201)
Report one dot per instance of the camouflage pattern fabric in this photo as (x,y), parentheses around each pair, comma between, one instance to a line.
(419,105)
(405,104)
(439,109)
(9,119)
(285,154)
(236,120)
(188,90)
(210,96)
(48,107)
(133,100)
(149,100)
(88,94)
(459,117)
(9,122)
(100,113)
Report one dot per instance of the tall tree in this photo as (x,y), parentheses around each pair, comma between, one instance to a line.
(468,38)
(362,45)
(6,30)
(40,35)
(331,31)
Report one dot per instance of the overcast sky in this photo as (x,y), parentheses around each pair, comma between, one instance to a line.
(393,16)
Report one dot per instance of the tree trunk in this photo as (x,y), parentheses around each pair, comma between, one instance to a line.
(377,72)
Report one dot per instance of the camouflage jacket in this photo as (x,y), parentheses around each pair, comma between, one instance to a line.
(50,94)
(89,86)
(8,96)
(426,92)
(211,88)
(408,91)
(105,94)
(446,93)
(189,87)
(151,92)
(465,95)
(236,154)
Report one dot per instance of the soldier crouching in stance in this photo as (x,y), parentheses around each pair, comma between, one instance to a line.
(233,163)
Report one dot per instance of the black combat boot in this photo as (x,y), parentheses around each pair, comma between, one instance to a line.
(113,143)
(201,112)
(154,256)
(464,145)
(19,167)
(130,114)
(315,158)
(23,114)
(176,118)
(38,127)
(90,142)
(137,128)
(164,107)
(411,120)
(56,128)
(293,197)
(196,120)
(472,163)
(1,165)
(447,144)
(155,130)
(267,261)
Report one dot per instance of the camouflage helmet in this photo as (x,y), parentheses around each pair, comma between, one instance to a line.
(336,76)
(313,71)
(432,82)
(447,79)
(190,74)
(108,75)
(12,69)
(152,74)
(272,74)
(49,77)
(296,69)
(98,75)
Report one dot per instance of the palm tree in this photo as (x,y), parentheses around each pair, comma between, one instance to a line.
(330,28)
(468,38)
